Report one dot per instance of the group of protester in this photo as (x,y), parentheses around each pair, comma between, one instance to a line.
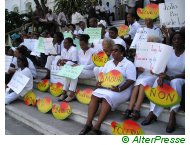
(121,58)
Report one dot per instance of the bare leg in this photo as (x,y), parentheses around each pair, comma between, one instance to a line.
(92,109)
(133,97)
(140,98)
(105,109)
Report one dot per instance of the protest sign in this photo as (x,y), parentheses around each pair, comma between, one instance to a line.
(44,105)
(30,99)
(67,34)
(77,43)
(112,78)
(70,71)
(94,33)
(8,60)
(40,45)
(84,96)
(100,58)
(18,82)
(172,14)
(164,96)
(142,36)
(123,30)
(49,48)
(56,89)
(43,86)
(30,43)
(153,56)
(53,76)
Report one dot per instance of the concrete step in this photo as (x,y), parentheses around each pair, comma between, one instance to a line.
(79,115)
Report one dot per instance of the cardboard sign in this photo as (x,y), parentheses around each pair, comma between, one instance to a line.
(62,111)
(76,41)
(153,56)
(43,86)
(30,43)
(172,14)
(56,89)
(112,78)
(123,30)
(151,11)
(44,105)
(67,34)
(49,48)
(142,36)
(84,96)
(53,76)
(40,45)
(8,60)
(100,58)
(70,71)
(18,82)
(128,127)
(164,96)
(30,99)
(94,33)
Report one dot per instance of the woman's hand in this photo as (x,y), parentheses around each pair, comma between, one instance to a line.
(115,89)
(140,69)
(160,82)
(99,84)
(61,62)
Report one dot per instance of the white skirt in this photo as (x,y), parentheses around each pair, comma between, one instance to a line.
(113,98)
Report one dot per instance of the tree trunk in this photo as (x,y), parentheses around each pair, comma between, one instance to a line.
(43,2)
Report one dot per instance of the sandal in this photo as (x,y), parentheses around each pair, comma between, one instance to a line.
(127,114)
(69,99)
(135,114)
(85,130)
(62,97)
(95,132)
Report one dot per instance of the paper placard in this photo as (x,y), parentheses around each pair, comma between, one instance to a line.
(18,82)
(153,56)
(172,14)
(76,41)
(30,99)
(30,43)
(84,96)
(70,71)
(44,105)
(151,11)
(128,127)
(43,86)
(8,60)
(112,78)
(142,36)
(40,45)
(49,48)
(67,34)
(94,33)
(164,96)
(123,30)
(100,58)
(56,89)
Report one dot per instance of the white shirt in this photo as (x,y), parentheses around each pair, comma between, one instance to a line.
(58,48)
(29,86)
(102,8)
(61,17)
(126,67)
(80,31)
(176,65)
(30,66)
(51,17)
(133,29)
(71,54)
(86,58)
(118,40)
(131,3)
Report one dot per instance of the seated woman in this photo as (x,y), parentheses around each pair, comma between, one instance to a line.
(144,79)
(110,98)
(85,59)
(175,77)
(107,45)
(10,95)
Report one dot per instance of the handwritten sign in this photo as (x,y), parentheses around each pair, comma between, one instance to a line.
(128,127)
(62,111)
(112,78)
(43,86)
(164,96)
(123,30)
(40,45)
(56,89)
(8,60)
(53,76)
(153,56)
(84,96)
(18,82)
(76,41)
(70,71)
(151,11)
(100,58)
(67,34)
(142,36)
(172,14)
(30,43)
(30,99)
(94,33)
(44,105)
(48,44)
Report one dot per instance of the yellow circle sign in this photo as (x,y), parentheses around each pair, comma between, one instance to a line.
(43,86)
(84,96)
(100,58)
(56,89)
(123,30)
(30,99)
(44,105)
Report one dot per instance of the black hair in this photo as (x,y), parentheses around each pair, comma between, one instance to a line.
(114,29)
(23,50)
(122,49)
(24,60)
(84,37)
(180,33)
(81,22)
(71,25)
(132,15)
(59,35)
(94,19)
(70,41)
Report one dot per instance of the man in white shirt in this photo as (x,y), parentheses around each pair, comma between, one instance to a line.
(131,5)
(61,20)
(51,19)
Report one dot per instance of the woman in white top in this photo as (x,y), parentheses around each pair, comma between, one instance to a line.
(85,59)
(10,95)
(175,77)
(111,98)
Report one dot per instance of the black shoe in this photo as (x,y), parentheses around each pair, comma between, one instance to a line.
(95,132)
(127,114)
(135,114)
(149,119)
(172,123)
(85,130)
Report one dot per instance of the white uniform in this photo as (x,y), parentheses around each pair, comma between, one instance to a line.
(175,65)
(120,41)
(9,97)
(114,99)
(133,29)
(87,72)
(30,66)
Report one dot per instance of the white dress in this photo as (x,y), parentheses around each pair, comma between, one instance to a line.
(114,99)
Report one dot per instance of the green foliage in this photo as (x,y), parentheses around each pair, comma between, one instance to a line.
(71,6)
